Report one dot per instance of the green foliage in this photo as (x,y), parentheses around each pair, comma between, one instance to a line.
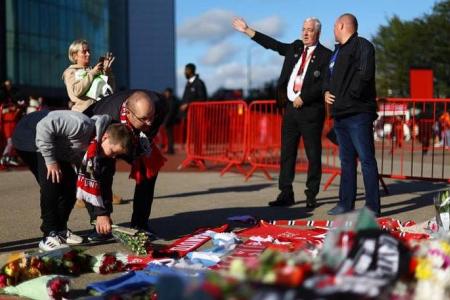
(422,42)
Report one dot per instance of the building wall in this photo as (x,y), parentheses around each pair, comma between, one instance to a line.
(151,44)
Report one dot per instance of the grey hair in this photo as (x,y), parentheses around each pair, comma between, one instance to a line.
(317,24)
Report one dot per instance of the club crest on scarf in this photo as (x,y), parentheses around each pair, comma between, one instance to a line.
(88,186)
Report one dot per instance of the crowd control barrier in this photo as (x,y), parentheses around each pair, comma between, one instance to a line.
(412,138)
(216,132)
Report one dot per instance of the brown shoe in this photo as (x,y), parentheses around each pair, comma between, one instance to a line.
(117,200)
(80,203)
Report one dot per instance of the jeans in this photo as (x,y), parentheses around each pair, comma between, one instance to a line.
(355,137)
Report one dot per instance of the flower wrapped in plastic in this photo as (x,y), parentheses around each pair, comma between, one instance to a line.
(108,263)
(45,287)
(137,241)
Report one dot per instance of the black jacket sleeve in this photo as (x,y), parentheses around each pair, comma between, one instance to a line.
(365,67)
(271,43)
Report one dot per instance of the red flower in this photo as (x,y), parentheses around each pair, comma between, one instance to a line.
(58,288)
(3,281)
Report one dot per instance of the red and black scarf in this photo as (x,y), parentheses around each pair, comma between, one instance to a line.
(148,159)
(88,186)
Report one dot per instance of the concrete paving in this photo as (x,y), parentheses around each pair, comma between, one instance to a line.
(186,200)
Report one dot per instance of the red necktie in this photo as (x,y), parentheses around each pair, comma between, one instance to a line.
(297,84)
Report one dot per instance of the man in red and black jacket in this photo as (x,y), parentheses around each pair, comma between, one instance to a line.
(350,90)
(144,112)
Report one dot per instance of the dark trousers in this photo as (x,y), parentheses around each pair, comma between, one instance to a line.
(295,126)
(355,137)
(57,199)
(170,139)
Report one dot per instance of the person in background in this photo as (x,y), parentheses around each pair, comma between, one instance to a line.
(79,77)
(349,88)
(195,89)
(12,107)
(300,93)
(51,144)
(171,119)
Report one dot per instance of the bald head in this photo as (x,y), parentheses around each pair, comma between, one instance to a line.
(350,21)
(141,110)
(346,25)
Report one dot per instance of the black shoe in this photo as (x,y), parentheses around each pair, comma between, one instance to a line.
(311,203)
(96,237)
(285,198)
(338,210)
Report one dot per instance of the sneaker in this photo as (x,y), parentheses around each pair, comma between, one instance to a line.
(52,242)
(96,237)
(69,237)
(152,236)
(13,162)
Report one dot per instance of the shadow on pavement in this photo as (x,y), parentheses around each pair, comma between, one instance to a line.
(238,188)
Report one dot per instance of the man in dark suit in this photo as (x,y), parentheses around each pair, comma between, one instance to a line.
(195,89)
(144,112)
(300,93)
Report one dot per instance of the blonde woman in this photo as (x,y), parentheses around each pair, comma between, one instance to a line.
(79,76)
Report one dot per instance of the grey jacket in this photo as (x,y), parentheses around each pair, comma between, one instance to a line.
(63,135)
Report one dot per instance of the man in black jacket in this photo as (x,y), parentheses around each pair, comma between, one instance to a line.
(195,89)
(300,93)
(350,90)
(143,111)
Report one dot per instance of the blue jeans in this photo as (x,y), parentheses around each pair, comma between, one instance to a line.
(355,137)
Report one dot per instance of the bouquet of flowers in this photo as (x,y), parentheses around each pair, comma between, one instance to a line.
(108,263)
(45,287)
(25,266)
(138,242)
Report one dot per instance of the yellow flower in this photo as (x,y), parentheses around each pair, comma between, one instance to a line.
(423,269)
(445,247)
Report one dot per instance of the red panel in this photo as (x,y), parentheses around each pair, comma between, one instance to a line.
(421,83)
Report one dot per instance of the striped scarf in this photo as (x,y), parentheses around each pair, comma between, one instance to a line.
(88,186)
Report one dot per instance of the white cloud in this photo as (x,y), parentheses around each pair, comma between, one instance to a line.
(272,26)
(219,53)
(211,26)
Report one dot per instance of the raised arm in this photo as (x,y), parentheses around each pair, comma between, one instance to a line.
(267,42)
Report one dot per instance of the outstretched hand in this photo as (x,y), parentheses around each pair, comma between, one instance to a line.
(239,24)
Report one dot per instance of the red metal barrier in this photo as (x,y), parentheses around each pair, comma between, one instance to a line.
(264,142)
(411,141)
(217,132)
(412,138)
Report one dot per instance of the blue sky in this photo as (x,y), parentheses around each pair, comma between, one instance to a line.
(205,36)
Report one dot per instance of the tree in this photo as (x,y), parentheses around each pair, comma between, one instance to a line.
(422,42)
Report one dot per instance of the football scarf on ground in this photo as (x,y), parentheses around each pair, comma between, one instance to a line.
(88,186)
(188,243)
(375,261)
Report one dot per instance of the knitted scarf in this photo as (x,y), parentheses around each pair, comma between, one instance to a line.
(88,186)
(147,159)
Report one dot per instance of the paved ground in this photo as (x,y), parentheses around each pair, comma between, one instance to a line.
(189,199)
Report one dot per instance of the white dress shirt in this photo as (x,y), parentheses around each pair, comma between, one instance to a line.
(290,87)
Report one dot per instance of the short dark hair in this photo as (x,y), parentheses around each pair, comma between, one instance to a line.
(191,67)
(122,135)
(169,90)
